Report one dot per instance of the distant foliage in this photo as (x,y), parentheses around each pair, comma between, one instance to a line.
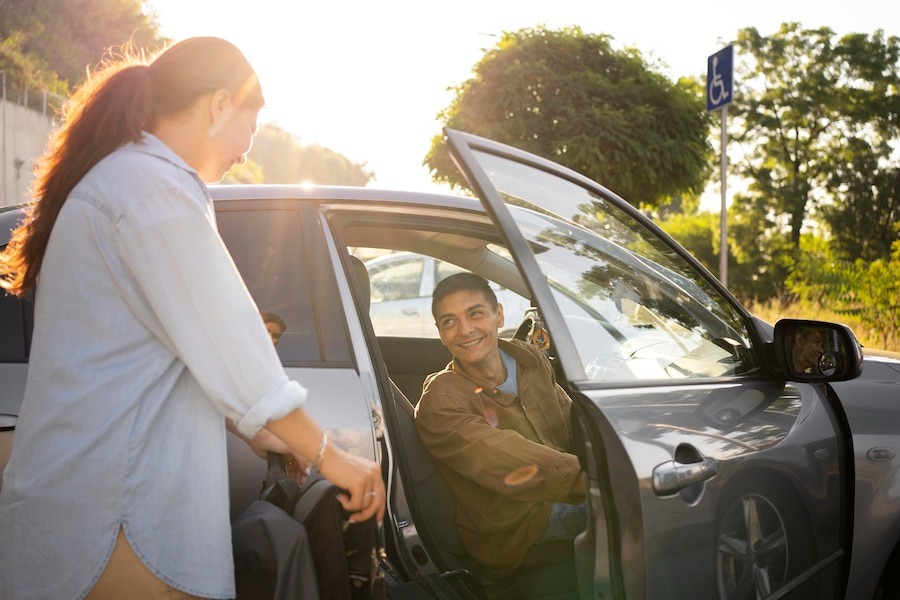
(574,99)
(50,45)
(283,159)
(22,71)
(813,133)
(66,36)
(815,119)
(867,292)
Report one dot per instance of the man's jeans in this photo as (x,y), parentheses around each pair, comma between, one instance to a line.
(566,522)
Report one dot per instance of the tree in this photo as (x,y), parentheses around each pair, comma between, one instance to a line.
(570,97)
(249,172)
(814,117)
(696,232)
(759,251)
(283,159)
(866,209)
(24,72)
(69,36)
(867,292)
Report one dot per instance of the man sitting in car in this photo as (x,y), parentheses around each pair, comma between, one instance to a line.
(498,426)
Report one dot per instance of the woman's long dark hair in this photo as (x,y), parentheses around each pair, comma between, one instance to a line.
(114,105)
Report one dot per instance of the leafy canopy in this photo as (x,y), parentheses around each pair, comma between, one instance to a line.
(574,99)
(68,36)
(283,159)
(815,117)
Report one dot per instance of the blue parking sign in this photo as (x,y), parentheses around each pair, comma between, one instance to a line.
(719,79)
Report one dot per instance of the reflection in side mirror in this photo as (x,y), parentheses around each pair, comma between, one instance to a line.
(817,351)
(830,363)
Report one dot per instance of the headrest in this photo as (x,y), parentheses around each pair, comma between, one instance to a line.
(362,278)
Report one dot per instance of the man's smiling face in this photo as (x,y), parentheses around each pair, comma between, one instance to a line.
(468,325)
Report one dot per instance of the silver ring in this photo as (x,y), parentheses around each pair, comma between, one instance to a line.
(371,493)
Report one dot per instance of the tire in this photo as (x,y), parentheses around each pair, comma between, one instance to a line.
(764,540)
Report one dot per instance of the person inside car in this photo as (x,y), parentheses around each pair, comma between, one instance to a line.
(274,325)
(144,337)
(498,426)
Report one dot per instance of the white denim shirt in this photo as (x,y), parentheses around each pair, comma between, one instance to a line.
(145,337)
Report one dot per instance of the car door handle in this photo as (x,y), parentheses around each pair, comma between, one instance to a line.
(410,311)
(672,476)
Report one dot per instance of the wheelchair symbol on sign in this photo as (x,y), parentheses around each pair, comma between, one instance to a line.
(717,92)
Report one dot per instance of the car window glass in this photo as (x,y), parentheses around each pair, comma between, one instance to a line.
(395,277)
(12,329)
(636,310)
(266,248)
(397,311)
(443,269)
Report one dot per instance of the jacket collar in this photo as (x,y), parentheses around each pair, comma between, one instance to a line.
(521,352)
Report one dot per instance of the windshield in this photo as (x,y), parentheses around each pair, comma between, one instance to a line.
(635,309)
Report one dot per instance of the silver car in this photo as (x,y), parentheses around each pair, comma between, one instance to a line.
(718,464)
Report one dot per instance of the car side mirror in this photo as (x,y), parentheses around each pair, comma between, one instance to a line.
(816,351)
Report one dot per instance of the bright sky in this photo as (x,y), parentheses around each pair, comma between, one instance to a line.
(367,78)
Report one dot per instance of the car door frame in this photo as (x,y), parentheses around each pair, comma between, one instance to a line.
(622,540)
(624,572)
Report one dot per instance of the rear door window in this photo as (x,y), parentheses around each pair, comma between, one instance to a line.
(267,248)
(15,328)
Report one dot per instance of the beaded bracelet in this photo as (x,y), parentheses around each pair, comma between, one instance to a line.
(320,455)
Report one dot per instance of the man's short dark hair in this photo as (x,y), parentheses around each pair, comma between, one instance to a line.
(459,282)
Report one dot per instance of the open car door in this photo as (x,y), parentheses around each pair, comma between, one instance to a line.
(710,473)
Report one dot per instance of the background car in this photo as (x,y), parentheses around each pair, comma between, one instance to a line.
(715,467)
(401,285)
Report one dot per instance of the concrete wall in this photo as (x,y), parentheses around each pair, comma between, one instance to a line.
(23,138)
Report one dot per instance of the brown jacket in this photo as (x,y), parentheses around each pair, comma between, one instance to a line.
(505,458)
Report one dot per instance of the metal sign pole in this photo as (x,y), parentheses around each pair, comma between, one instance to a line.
(719,75)
(723,241)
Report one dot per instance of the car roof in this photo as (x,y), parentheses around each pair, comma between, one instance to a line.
(410,221)
(12,214)
(339,193)
(429,235)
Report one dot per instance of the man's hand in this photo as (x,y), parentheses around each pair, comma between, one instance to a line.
(265,442)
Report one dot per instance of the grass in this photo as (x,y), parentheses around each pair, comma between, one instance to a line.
(773,310)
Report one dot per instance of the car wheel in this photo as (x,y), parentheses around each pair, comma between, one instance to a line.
(763,540)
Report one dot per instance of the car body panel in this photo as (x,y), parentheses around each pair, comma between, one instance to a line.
(872,404)
(335,402)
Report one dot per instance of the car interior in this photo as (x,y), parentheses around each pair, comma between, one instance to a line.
(548,570)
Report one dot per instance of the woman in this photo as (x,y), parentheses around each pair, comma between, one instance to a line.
(144,338)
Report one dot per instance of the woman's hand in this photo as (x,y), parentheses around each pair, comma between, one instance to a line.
(361,478)
(297,467)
